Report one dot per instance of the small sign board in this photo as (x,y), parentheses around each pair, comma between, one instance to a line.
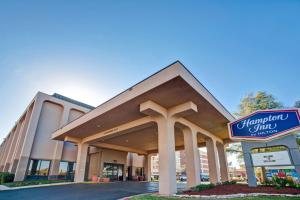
(278,158)
(265,125)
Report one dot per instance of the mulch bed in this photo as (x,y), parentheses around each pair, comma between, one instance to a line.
(239,188)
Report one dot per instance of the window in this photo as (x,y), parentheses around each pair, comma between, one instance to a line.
(67,170)
(139,171)
(38,168)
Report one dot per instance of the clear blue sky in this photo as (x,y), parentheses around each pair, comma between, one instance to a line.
(92,50)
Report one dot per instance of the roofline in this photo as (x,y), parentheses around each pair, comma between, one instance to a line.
(227,114)
(57,96)
(206,89)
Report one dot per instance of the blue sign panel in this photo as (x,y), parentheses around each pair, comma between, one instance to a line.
(267,124)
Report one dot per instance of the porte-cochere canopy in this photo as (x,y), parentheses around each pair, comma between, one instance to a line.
(153,117)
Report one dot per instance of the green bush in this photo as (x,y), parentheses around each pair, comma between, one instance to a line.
(267,183)
(202,187)
(6,177)
(281,182)
(229,182)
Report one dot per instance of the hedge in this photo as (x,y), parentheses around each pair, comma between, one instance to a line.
(6,177)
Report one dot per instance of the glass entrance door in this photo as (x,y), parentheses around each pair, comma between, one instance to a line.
(113,171)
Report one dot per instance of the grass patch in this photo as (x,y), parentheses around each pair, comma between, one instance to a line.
(33,182)
(154,197)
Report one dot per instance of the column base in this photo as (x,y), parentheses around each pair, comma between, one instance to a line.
(54,169)
(21,169)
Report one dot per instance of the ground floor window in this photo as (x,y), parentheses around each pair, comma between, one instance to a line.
(38,169)
(66,170)
(113,171)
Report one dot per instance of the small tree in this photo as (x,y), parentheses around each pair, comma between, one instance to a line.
(260,101)
(297,104)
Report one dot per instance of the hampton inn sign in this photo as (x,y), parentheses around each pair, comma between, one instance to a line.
(266,129)
(262,125)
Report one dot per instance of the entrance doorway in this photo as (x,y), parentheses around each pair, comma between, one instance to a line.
(113,171)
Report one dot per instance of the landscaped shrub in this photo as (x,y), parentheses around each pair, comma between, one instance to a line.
(267,183)
(229,182)
(279,182)
(201,187)
(6,177)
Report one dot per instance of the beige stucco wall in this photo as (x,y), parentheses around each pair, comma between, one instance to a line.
(112,156)
(137,161)
(49,121)
(70,150)
(94,164)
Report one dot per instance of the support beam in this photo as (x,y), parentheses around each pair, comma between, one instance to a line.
(166,151)
(192,157)
(81,162)
(6,155)
(15,135)
(72,139)
(198,129)
(118,129)
(183,110)
(119,148)
(28,140)
(147,167)
(21,139)
(54,169)
(153,109)
(165,119)
(223,162)
(213,161)
(18,143)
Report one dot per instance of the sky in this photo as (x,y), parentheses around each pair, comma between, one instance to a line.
(93,50)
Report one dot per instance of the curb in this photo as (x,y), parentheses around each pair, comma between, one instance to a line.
(229,196)
(127,198)
(4,188)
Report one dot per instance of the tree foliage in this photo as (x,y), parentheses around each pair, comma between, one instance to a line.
(259,101)
(297,104)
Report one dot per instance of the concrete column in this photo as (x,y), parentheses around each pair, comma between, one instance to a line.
(16,133)
(246,146)
(81,162)
(213,161)
(54,168)
(252,182)
(13,163)
(147,167)
(21,139)
(166,151)
(2,161)
(6,155)
(28,140)
(192,157)
(1,154)
(223,162)
(130,165)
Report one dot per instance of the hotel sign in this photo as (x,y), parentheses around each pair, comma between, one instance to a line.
(271,159)
(265,125)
